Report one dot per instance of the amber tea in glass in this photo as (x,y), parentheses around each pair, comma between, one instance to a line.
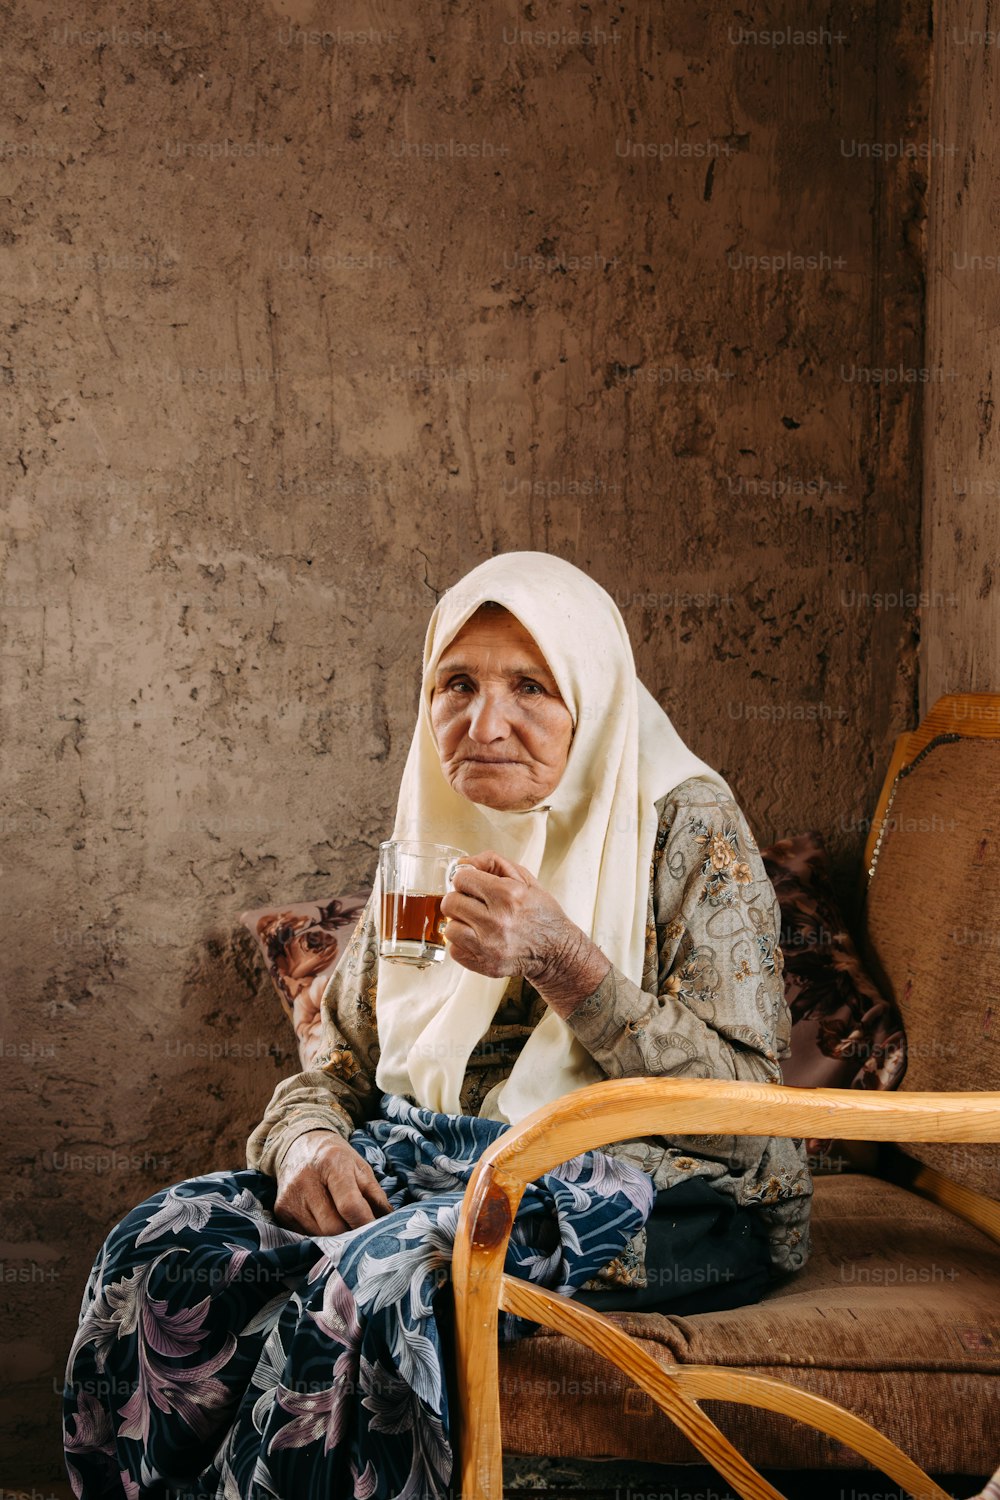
(414,878)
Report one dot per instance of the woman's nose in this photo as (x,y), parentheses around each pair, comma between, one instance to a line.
(487,720)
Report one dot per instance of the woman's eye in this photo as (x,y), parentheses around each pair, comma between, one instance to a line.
(460,685)
(531,688)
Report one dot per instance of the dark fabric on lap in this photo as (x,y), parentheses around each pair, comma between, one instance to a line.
(221,1353)
(703,1253)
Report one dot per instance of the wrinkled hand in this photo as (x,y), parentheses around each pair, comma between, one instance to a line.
(502,923)
(325,1187)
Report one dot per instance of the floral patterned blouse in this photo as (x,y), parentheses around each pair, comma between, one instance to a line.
(711,1005)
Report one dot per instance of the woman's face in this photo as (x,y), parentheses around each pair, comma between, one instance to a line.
(502,730)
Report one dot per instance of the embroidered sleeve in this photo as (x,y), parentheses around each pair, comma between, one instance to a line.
(718,1008)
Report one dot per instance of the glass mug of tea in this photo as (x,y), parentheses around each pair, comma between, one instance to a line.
(415,878)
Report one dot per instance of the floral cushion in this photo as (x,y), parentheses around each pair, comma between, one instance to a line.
(845,1033)
(301,944)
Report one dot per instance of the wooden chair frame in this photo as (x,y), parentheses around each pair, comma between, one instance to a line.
(613,1111)
(620,1110)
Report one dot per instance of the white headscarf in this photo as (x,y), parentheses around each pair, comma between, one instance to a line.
(590,844)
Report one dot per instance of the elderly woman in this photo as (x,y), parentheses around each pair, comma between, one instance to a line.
(612,918)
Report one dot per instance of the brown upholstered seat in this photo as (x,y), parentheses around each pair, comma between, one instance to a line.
(897,1315)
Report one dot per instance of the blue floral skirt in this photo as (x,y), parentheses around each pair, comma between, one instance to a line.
(219,1354)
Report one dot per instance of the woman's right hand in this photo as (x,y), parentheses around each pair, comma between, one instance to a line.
(325,1186)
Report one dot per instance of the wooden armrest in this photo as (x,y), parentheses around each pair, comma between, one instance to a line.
(621,1109)
(627,1107)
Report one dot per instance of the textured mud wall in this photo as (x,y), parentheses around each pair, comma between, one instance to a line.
(301,325)
(960,639)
